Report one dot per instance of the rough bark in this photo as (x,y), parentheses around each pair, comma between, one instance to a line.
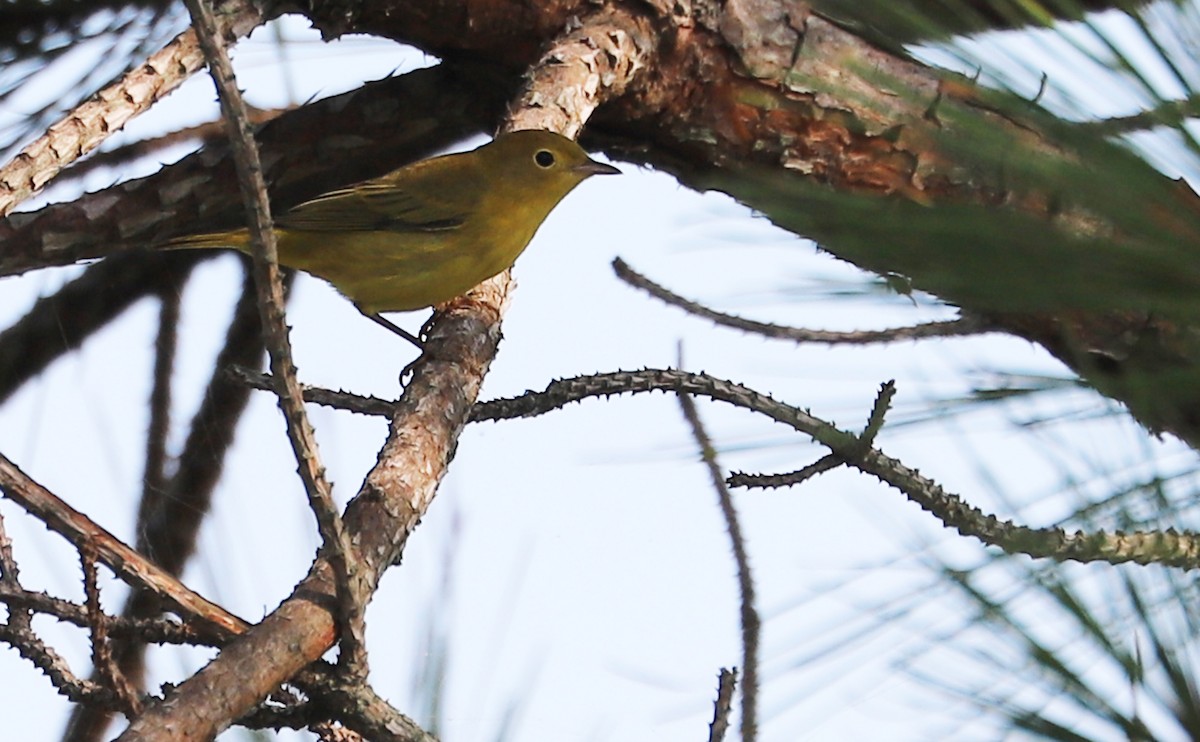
(595,61)
(1046,229)
(1049,232)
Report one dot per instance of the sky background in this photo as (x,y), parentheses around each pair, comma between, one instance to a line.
(575,566)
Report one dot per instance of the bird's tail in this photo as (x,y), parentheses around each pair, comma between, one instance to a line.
(238,239)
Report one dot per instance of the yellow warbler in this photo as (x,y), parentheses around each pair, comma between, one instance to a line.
(429,231)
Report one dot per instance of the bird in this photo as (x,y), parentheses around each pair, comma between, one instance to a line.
(429,231)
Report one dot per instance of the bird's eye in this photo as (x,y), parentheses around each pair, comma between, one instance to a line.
(544,158)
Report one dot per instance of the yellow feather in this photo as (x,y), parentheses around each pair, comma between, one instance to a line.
(429,231)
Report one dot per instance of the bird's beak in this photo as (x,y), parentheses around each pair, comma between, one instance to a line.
(591,167)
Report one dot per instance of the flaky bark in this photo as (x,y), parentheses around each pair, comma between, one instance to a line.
(585,66)
(1044,229)
(1038,227)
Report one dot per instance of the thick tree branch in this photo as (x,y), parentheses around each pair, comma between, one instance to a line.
(395,120)
(424,432)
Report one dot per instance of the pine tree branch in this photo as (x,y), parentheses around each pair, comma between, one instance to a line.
(84,128)
(424,431)
(751,624)
(952,328)
(125,562)
(169,519)
(1169,547)
(268,281)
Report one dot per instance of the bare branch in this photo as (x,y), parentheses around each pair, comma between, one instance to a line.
(751,625)
(102,655)
(155,630)
(952,328)
(723,706)
(84,128)
(425,428)
(269,284)
(883,400)
(18,632)
(828,462)
(50,662)
(1170,547)
(19,618)
(327,397)
(125,562)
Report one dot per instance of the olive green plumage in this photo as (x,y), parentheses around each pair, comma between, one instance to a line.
(429,231)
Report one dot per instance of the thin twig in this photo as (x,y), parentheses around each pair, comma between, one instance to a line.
(156,630)
(125,562)
(21,619)
(18,632)
(1169,548)
(829,461)
(751,625)
(10,572)
(950,328)
(30,646)
(102,655)
(348,401)
(337,546)
(107,112)
(883,401)
(723,706)
(169,520)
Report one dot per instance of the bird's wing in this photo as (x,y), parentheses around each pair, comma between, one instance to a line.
(378,205)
